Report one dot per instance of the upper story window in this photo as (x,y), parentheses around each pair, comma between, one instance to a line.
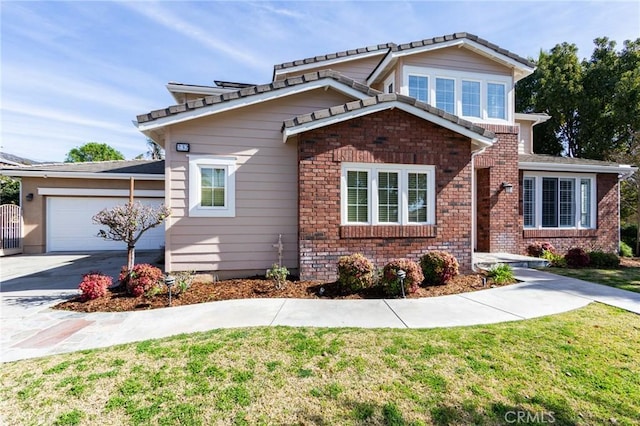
(475,96)
(211,186)
(387,194)
(561,201)
(419,87)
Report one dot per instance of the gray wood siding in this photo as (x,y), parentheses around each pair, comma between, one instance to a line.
(266,188)
(457,58)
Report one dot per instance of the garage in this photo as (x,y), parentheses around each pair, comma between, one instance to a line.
(70,227)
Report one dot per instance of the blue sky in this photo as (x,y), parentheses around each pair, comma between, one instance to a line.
(74,72)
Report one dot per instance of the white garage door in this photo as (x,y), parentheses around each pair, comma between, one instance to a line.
(69,225)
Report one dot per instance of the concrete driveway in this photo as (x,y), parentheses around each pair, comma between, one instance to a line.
(31,284)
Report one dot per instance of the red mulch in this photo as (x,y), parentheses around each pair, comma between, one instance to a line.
(201,292)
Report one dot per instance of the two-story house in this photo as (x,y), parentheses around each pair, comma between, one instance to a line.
(389,150)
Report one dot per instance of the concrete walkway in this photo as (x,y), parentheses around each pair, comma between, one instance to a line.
(31,284)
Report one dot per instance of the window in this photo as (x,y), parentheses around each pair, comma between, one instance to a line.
(496,100)
(471,98)
(357,196)
(529,201)
(445,95)
(386,194)
(419,87)
(211,186)
(389,86)
(558,202)
(476,95)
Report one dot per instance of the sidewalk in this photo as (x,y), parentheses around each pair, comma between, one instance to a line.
(33,330)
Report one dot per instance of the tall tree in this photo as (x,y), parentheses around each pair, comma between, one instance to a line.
(154,151)
(93,151)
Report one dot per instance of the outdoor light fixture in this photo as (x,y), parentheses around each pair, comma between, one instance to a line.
(169,281)
(508,188)
(401,274)
(29,196)
(182,147)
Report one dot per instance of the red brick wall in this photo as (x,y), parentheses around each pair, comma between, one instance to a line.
(604,238)
(499,221)
(391,136)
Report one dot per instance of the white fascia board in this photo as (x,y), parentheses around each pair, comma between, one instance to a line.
(481,140)
(98,192)
(390,59)
(197,90)
(249,100)
(578,168)
(327,63)
(79,175)
(537,118)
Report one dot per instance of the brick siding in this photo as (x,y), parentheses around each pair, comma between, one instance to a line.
(390,136)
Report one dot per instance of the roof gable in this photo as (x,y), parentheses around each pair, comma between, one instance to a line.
(482,137)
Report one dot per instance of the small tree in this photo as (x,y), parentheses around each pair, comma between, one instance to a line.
(93,151)
(128,222)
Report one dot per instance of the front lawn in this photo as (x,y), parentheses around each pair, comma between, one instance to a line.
(626,277)
(580,367)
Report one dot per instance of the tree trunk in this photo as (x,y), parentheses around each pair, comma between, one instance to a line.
(637,247)
(131,257)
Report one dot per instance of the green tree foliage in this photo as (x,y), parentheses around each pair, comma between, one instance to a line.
(93,151)
(9,190)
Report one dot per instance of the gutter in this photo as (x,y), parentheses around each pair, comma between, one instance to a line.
(80,175)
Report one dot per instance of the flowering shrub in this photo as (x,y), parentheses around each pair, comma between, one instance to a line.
(438,267)
(142,279)
(577,258)
(355,272)
(390,281)
(538,248)
(94,285)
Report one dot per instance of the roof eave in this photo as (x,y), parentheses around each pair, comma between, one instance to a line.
(80,175)
(479,141)
(326,62)
(621,169)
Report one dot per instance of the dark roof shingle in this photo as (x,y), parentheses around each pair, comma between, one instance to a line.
(151,167)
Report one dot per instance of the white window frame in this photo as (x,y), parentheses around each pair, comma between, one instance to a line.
(458,76)
(461,107)
(577,199)
(506,96)
(403,171)
(198,162)
(456,92)
(390,81)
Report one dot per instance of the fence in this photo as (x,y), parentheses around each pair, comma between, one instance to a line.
(10,229)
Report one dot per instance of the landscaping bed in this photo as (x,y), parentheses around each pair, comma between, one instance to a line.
(202,291)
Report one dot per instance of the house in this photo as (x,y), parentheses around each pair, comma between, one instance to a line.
(391,150)
(59,200)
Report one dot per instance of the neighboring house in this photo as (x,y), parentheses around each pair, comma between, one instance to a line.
(59,200)
(389,150)
(7,159)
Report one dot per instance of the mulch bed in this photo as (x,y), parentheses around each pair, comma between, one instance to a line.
(201,292)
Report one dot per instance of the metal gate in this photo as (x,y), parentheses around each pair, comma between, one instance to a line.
(10,229)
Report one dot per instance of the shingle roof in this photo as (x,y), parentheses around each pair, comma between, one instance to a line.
(255,90)
(336,55)
(405,46)
(152,167)
(380,99)
(7,158)
(551,159)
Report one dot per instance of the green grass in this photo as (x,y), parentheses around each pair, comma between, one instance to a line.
(624,278)
(580,367)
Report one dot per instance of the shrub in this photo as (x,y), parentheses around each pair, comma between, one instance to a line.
(577,258)
(555,259)
(94,285)
(538,248)
(390,281)
(501,274)
(142,279)
(278,274)
(602,260)
(183,280)
(355,272)
(625,250)
(629,234)
(438,267)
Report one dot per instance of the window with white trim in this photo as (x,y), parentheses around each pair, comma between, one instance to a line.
(478,96)
(419,87)
(211,186)
(560,201)
(387,194)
